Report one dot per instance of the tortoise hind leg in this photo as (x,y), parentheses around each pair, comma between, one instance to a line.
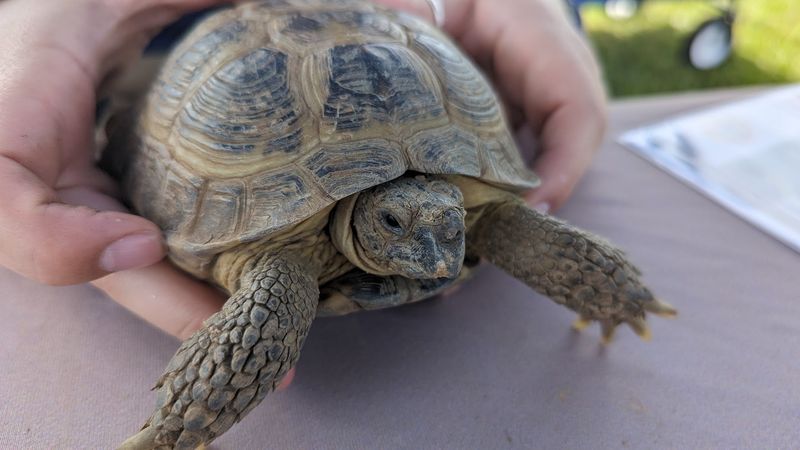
(226,368)
(359,290)
(574,268)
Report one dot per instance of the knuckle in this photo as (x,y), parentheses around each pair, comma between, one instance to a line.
(37,261)
(47,268)
(592,111)
(55,261)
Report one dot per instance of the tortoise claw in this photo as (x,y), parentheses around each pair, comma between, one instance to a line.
(581,323)
(639,326)
(608,327)
(661,308)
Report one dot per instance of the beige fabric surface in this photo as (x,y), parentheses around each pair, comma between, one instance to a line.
(493,366)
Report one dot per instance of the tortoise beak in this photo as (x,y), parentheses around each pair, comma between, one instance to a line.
(442,271)
(440,258)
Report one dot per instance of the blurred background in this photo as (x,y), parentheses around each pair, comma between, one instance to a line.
(656,46)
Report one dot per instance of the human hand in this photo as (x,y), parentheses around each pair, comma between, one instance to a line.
(546,75)
(60,222)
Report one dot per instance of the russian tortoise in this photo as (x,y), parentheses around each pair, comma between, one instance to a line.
(323,157)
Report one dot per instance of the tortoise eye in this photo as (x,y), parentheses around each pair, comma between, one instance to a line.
(392,224)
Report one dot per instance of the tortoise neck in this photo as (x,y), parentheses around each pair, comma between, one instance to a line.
(314,248)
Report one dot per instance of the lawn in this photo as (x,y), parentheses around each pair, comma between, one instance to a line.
(644,54)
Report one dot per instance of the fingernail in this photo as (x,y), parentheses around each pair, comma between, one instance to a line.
(287,380)
(543,208)
(130,252)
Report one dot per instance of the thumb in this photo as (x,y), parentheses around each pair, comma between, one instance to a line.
(56,243)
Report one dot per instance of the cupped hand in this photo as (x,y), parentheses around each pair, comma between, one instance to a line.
(60,221)
(547,76)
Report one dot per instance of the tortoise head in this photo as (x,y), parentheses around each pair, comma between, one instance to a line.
(413,227)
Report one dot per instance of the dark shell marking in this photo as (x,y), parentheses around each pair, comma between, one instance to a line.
(305,32)
(376,83)
(254,87)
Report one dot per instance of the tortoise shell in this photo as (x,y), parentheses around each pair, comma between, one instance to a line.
(269,112)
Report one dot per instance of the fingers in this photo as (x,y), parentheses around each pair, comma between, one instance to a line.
(287,379)
(56,243)
(571,120)
(561,98)
(548,74)
(569,138)
(169,299)
(164,296)
(566,102)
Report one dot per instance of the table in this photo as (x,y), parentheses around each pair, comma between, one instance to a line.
(493,366)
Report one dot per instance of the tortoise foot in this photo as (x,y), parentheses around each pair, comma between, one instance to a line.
(636,323)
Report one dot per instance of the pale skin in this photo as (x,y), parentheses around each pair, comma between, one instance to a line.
(60,220)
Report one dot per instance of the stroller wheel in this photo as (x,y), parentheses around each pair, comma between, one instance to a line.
(621,9)
(711,44)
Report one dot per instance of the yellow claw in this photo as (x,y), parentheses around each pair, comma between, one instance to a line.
(606,340)
(661,308)
(639,326)
(608,327)
(646,335)
(580,324)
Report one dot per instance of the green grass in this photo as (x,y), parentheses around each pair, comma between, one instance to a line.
(645,54)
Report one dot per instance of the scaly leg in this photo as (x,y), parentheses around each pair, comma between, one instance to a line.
(572,267)
(225,369)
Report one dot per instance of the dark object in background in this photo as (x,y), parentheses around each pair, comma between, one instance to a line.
(712,43)
(170,35)
(707,48)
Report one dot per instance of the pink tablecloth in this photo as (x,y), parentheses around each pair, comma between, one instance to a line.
(494,366)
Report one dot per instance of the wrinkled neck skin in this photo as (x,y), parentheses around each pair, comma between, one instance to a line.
(411,226)
(309,240)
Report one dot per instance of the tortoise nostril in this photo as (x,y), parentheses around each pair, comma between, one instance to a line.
(453,225)
(452,233)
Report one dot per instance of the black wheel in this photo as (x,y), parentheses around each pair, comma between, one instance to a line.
(622,9)
(711,44)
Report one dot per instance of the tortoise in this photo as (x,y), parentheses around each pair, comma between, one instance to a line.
(318,157)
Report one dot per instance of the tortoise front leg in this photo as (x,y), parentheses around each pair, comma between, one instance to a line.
(574,268)
(226,368)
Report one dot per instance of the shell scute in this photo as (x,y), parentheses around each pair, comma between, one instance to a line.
(377,85)
(344,169)
(221,207)
(245,107)
(277,197)
(190,64)
(470,97)
(445,150)
(184,188)
(502,164)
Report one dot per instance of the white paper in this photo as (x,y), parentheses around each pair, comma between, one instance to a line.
(745,155)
